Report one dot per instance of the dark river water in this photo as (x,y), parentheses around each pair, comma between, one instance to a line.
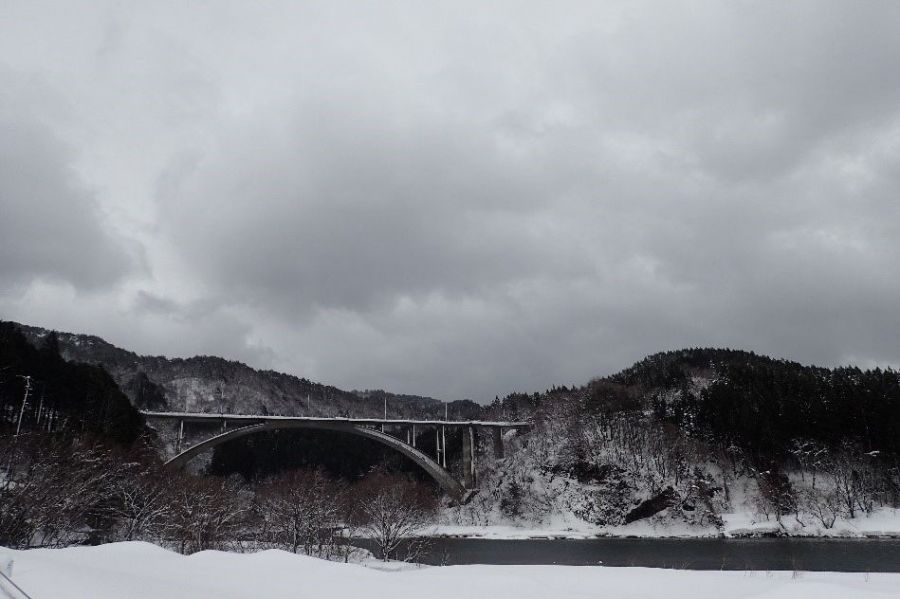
(842,555)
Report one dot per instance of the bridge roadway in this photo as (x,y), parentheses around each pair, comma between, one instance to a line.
(247,418)
(372,428)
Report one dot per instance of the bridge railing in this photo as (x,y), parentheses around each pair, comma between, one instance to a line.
(218,417)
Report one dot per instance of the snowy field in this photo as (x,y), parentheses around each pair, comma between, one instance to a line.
(144,571)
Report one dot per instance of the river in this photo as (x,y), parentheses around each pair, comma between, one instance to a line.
(839,555)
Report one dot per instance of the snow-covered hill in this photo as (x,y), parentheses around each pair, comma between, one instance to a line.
(700,442)
(213,384)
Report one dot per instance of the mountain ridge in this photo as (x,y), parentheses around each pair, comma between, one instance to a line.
(216,384)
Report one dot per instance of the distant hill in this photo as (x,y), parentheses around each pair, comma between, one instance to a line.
(739,399)
(724,397)
(680,437)
(697,437)
(213,384)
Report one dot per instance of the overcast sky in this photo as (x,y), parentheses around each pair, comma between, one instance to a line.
(454,199)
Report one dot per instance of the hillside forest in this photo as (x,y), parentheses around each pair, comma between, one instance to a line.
(680,441)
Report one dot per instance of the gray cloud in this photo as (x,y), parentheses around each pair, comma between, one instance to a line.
(466,201)
(50,226)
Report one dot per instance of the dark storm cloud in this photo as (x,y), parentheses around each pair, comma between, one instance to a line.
(465,201)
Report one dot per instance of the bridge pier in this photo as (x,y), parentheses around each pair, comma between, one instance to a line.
(468,460)
(497,436)
(437,445)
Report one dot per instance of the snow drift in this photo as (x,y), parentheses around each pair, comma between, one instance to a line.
(139,570)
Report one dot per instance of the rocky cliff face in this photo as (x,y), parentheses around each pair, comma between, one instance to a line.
(213,384)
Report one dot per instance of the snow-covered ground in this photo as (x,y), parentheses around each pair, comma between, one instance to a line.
(883,522)
(143,571)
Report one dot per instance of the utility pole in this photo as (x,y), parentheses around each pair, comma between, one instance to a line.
(385,413)
(24,401)
(40,409)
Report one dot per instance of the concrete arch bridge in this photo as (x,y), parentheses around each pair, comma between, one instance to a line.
(206,431)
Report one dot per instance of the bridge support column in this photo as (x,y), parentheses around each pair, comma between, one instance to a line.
(180,435)
(468,461)
(437,445)
(497,435)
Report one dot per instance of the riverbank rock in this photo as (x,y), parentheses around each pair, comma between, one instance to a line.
(652,506)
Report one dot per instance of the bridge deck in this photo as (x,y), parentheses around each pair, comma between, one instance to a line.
(249,418)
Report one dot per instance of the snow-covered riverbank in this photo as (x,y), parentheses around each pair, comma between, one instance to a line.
(144,571)
(882,523)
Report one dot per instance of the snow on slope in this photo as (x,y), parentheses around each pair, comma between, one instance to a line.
(143,571)
(882,523)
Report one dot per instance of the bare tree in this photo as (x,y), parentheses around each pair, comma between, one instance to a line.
(53,491)
(141,502)
(395,509)
(776,496)
(822,502)
(300,510)
(206,513)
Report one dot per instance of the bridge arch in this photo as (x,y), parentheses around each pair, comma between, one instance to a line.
(446,481)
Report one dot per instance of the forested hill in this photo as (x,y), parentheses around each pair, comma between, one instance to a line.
(214,384)
(739,399)
(723,397)
(80,399)
(764,405)
(683,437)
(690,436)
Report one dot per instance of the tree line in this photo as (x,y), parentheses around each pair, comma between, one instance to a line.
(40,391)
(59,490)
